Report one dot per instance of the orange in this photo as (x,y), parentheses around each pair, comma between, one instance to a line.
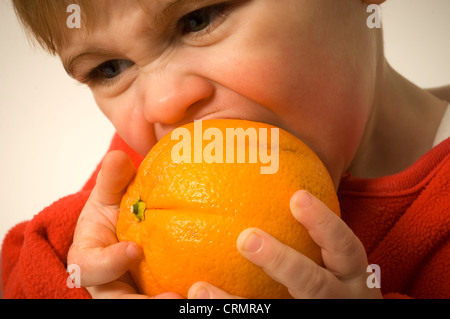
(188,216)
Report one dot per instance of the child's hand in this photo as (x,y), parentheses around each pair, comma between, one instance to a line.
(103,260)
(345,273)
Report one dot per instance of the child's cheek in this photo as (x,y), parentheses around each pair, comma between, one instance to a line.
(125,112)
(314,94)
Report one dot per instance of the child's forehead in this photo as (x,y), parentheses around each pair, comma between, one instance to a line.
(100,15)
(105,7)
(101,12)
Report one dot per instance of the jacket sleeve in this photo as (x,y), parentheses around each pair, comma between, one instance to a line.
(34,253)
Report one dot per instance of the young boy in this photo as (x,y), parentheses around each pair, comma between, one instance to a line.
(313,68)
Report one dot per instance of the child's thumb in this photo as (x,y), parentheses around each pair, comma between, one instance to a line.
(102,265)
(116,173)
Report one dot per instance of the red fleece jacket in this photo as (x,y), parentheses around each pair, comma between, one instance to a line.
(403,221)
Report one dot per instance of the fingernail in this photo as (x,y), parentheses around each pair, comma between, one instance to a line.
(303,199)
(202,293)
(252,244)
(132,251)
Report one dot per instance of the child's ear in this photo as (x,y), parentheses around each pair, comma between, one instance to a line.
(374,1)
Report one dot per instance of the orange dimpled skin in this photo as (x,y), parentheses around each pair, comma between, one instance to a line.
(188,216)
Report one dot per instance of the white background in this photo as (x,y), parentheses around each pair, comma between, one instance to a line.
(52,135)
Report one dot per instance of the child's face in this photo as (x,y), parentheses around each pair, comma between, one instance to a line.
(305,66)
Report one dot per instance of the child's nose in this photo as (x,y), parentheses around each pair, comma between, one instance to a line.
(169,94)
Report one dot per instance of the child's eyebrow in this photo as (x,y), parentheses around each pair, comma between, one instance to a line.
(170,5)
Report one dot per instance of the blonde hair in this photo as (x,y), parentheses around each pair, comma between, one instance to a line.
(45,20)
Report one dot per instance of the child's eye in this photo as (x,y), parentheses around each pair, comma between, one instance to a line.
(108,71)
(203,19)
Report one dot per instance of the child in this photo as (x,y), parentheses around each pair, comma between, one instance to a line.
(313,68)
